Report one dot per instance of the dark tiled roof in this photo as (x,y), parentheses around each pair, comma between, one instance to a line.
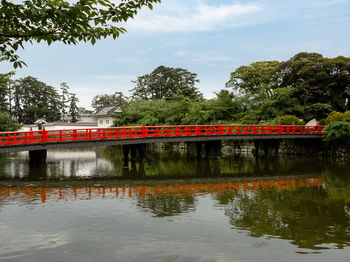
(110,110)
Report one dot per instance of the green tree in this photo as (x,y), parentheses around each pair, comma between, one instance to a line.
(307,85)
(258,78)
(34,99)
(166,82)
(6,124)
(73,108)
(59,20)
(318,80)
(4,81)
(65,96)
(100,101)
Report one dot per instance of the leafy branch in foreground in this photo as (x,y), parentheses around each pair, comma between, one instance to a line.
(59,20)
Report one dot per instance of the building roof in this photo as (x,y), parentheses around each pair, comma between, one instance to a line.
(110,110)
(40,121)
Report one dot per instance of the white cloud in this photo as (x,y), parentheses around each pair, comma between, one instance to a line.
(200,18)
(331,2)
(128,60)
(113,76)
(211,58)
(180,53)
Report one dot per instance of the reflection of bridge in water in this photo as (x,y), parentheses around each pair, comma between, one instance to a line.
(45,194)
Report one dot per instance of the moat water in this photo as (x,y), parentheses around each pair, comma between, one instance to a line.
(87,205)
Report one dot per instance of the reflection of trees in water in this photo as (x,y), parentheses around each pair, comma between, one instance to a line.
(337,180)
(168,162)
(167,205)
(306,216)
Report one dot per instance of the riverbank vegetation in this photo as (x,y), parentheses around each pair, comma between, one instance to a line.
(304,87)
(27,99)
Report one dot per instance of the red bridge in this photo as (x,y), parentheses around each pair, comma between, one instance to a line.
(45,139)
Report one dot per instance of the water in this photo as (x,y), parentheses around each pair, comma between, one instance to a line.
(85,206)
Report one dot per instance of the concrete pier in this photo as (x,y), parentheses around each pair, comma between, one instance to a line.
(37,157)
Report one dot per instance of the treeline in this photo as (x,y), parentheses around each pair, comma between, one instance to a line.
(27,99)
(306,86)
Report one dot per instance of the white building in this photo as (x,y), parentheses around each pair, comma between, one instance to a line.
(59,126)
(106,116)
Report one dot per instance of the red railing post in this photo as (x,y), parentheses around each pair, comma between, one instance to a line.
(31,138)
(220,130)
(43,135)
(143,131)
(74,134)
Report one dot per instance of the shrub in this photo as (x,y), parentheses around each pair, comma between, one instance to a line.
(347,116)
(318,110)
(323,122)
(334,116)
(338,134)
(6,124)
(290,120)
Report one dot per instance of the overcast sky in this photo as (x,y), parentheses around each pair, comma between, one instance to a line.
(208,37)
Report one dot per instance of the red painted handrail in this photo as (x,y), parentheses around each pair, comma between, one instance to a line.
(47,136)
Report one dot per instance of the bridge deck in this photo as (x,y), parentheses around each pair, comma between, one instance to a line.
(73,138)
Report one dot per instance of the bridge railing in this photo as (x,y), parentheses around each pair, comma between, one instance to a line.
(46,136)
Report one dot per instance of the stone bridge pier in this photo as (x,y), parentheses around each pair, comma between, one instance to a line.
(268,147)
(137,152)
(37,157)
(211,148)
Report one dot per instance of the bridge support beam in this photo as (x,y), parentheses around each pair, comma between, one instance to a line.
(37,157)
(213,148)
(199,147)
(269,147)
(134,149)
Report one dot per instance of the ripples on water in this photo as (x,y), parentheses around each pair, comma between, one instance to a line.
(87,206)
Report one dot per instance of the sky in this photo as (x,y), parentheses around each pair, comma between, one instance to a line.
(211,38)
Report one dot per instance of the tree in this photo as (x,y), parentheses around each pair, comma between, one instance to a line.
(60,20)
(6,124)
(166,82)
(257,78)
(5,80)
(100,101)
(33,99)
(65,97)
(318,80)
(307,85)
(73,108)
